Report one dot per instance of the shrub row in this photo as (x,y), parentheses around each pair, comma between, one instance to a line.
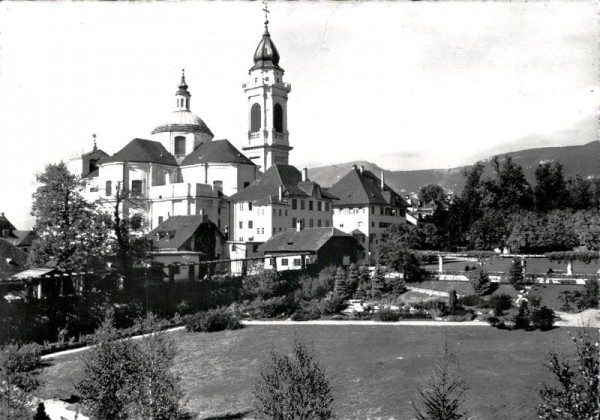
(212,320)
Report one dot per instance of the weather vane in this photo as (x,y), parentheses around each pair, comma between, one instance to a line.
(94,136)
(266,10)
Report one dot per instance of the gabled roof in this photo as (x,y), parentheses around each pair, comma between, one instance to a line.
(6,225)
(140,150)
(17,255)
(217,151)
(268,185)
(308,240)
(174,232)
(364,187)
(26,237)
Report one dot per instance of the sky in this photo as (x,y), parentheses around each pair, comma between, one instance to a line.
(403,85)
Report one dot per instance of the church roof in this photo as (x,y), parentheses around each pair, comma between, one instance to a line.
(278,174)
(266,54)
(140,150)
(183,120)
(217,151)
(307,240)
(364,187)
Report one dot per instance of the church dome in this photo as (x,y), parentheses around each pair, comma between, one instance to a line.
(266,54)
(183,120)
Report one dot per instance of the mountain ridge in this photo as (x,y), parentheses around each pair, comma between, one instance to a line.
(583,159)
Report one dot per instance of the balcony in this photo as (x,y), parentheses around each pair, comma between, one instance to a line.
(181,189)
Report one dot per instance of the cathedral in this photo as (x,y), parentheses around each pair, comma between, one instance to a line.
(182,171)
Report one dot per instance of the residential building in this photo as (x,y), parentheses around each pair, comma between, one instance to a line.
(295,249)
(366,207)
(180,243)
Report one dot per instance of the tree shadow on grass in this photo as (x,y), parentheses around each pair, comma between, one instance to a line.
(230,416)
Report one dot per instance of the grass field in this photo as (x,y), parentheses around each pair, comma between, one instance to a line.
(375,371)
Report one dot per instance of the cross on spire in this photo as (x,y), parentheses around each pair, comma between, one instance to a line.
(95,146)
(266,10)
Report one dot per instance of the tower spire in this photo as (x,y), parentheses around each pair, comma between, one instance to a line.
(183,95)
(266,10)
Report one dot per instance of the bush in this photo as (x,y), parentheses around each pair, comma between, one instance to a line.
(542,318)
(213,320)
(332,306)
(577,395)
(281,306)
(305,314)
(293,387)
(470,300)
(480,280)
(590,296)
(500,303)
(387,315)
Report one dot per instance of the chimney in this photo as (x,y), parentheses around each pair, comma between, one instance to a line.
(362,169)
(281,193)
(2,214)
(304,174)
(382,181)
(298,226)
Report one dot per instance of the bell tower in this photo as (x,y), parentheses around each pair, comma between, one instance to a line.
(268,136)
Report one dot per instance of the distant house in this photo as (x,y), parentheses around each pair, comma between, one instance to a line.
(295,249)
(181,242)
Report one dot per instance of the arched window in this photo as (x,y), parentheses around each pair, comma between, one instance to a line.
(179,146)
(255,118)
(278,118)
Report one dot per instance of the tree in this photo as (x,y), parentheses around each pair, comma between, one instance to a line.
(123,377)
(509,190)
(515,274)
(480,280)
(70,233)
(432,192)
(341,288)
(293,387)
(577,392)
(550,191)
(377,283)
(590,296)
(352,279)
(444,398)
(20,367)
(130,242)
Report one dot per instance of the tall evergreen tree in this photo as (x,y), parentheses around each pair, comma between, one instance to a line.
(341,287)
(352,279)
(377,283)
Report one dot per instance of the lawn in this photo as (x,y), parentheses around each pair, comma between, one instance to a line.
(375,371)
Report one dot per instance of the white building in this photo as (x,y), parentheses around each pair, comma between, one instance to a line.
(182,171)
(366,207)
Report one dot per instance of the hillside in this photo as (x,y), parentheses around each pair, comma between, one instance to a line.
(582,159)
